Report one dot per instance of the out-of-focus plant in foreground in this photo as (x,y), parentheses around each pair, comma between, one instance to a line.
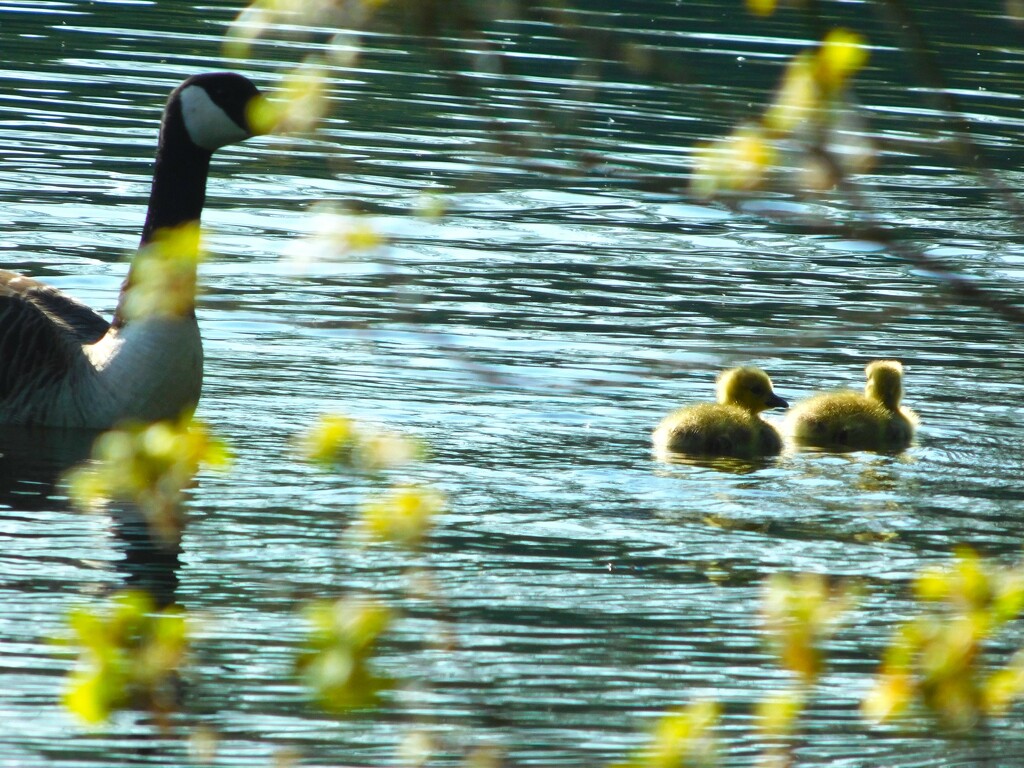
(129,656)
(300,101)
(336,663)
(260,18)
(334,235)
(419,748)
(811,113)
(681,738)
(149,465)
(404,516)
(337,441)
(936,660)
(800,612)
(162,279)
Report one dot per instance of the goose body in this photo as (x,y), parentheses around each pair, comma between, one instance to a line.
(849,420)
(63,365)
(731,426)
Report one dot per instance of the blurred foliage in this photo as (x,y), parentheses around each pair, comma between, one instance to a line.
(339,442)
(300,102)
(129,656)
(404,516)
(149,465)
(811,114)
(937,659)
(162,279)
(811,138)
(681,738)
(779,714)
(261,17)
(762,7)
(203,744)
(812,110)
(336,664)
(1015,11)
(335,234)
(802,611)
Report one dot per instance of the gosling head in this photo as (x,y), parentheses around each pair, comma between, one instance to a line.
(749,388)
(885,383)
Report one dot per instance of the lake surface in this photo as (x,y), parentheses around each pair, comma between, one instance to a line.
(532,337)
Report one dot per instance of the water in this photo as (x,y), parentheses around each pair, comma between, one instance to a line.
(532,337)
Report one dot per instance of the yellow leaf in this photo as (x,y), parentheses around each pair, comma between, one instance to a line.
(888,698)
(336,664)
(842,54)
(262,115)
(682,737)
(304,94)
(331,439)
(777,715)
(762,7)
(149,465)
(932,584)
(87,698)
(162,278)
(1004,686)
(798,97)
(738,162)
(403,517)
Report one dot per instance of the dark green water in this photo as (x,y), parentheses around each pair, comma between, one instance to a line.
(584,582)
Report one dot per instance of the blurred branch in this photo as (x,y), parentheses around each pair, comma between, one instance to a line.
(929,70)
(459,37)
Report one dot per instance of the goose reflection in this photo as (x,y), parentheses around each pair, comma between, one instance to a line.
(727,464)
(32,463)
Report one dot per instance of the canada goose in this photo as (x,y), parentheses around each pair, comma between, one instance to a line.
(874,421)
(63,365)
(730,427)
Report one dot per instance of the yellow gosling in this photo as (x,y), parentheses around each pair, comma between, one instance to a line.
(848,420)
(730,427)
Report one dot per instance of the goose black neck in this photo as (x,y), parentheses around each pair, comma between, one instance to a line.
(179,187)
(179,176)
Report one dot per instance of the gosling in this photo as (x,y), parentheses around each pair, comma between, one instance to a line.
(730,427)
(848,420)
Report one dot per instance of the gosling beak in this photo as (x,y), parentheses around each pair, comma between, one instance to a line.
(774,401)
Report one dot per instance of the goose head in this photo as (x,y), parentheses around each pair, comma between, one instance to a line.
(219,108)
(203,114)
(748,387)
(885,383)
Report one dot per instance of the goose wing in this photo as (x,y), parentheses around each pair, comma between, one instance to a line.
(41,332)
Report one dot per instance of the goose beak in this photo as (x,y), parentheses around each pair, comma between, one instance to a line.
(774,401)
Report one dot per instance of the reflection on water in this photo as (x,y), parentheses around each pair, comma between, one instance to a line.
(719,463)
(33,462)
(533,336)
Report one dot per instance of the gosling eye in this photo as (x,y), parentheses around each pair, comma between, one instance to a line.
(758,389)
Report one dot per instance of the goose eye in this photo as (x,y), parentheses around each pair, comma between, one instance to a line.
(757,389)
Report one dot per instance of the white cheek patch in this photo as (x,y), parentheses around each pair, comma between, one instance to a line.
(207,124)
